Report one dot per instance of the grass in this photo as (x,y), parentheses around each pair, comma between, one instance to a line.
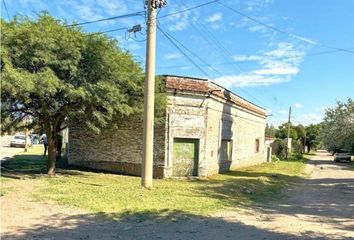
(113,195)
(28,162)
(351,164)
(4,188)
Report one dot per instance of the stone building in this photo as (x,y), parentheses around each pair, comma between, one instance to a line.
(206,129)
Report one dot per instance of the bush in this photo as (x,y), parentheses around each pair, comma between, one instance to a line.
(275,158)
(279,147)
(297,147)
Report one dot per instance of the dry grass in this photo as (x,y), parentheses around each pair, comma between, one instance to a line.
(113,195)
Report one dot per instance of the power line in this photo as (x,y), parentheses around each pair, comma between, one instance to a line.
(282,31)
(172,39)
(112,30)
(181,51)
(107,19)
(228,58)
(226,63)
(7,12)
(188,9)
(194,54)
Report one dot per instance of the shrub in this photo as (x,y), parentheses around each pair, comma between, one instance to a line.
(275,158)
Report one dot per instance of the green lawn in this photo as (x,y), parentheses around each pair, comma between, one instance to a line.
(351,164)
(4,188)
(113,195)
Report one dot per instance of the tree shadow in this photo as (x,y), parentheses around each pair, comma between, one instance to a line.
(324,200)
(288,195)
(33,166)
(246,189)
(164,224)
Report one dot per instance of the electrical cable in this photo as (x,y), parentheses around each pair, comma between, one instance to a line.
(107,19)
(194,54)
(172,39)
(189,9)
(181,51)
(7,11)
(112,30)
(225,63)
(282,31)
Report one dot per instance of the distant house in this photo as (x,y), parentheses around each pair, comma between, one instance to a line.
(206,130)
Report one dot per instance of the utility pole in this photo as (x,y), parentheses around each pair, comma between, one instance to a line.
(149,94)
(26,134)
(305,142)
(287,139)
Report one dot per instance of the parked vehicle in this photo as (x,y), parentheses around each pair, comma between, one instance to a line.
(342,155)
(19,141)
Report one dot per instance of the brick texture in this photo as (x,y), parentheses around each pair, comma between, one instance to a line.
(196,109)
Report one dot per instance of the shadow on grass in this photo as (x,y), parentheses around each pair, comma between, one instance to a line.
(247,188)
(32,166)
(164,224)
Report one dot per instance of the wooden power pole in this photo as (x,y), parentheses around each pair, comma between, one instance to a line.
(287,139)
(26,134)
(149,94)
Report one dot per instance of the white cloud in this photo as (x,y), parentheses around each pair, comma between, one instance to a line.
(285,50)
(243,80)
(184,68)
(215,17)
(170,56)
(113,7)
(181,20)
(283,111)
(258,28)
(277,71)
(250,58)
(256,4)
(310,118)
(298,105)
(276,66)
(303,39)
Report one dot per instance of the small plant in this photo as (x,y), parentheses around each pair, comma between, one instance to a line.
(297,156)
(275,158)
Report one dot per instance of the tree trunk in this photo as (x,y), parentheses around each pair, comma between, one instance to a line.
(52,154)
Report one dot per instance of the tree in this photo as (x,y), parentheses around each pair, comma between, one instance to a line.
(338,127)
(56,74)
(270,131)
(282,132)
(312,136)
(301,134)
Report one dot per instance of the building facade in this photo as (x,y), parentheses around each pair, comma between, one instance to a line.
(206,130)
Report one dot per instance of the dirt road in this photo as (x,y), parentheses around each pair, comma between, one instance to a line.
(6,151)
(319,207)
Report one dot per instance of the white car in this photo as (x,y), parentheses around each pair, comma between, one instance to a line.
(19,141)
(342,155)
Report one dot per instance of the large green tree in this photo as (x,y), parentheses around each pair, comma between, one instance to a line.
(55,73)
(312,140)
(338,127)
(282,132)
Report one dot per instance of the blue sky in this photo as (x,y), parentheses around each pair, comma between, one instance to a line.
(297,66)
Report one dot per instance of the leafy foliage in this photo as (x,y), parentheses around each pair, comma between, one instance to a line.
(55,73)
(300,135)
(338,127)
(282,132)
(270,131)
(312,136)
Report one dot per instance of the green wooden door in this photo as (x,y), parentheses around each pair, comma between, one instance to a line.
(185,157)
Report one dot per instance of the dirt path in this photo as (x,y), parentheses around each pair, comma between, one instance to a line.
(6,151)
(321,207)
